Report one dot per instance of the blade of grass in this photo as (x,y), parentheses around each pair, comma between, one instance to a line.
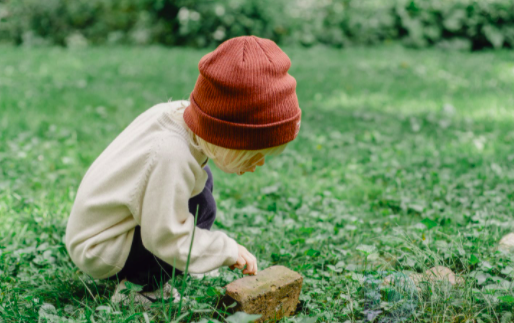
(187,263)
(172,299)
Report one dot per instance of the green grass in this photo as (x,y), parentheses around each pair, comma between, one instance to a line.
(391,138)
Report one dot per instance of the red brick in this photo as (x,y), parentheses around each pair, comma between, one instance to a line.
(274,293)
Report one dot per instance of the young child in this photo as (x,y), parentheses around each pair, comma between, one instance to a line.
(133,214)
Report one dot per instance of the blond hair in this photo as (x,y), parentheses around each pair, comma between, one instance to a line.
(225,158)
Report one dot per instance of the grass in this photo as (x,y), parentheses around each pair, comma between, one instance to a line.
(403,162)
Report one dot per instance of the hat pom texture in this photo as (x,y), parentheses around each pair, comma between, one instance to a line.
(244,97)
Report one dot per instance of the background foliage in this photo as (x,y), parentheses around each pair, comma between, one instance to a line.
(461,24)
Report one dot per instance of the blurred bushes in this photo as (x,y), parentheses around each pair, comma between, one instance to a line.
(463,24)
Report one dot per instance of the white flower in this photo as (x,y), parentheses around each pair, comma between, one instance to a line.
(219,34)
(183,14)
(194,15)
(219,10)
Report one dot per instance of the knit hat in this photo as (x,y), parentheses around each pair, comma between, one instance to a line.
(244,98)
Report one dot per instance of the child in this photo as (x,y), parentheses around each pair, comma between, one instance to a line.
(133,214)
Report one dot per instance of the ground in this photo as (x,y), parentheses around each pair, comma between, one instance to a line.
(403,162)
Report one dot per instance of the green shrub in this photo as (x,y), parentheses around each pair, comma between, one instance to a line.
(480,23)
(462,24)
(59,21)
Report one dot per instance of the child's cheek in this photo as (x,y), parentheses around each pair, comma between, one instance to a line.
(223,168)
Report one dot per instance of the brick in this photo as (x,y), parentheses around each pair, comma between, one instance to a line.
(274,293)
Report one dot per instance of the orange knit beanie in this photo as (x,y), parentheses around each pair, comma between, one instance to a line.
(244,98)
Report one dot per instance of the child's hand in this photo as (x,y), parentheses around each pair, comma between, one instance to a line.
(245,258)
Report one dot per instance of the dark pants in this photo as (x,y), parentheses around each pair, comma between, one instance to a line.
(144,268)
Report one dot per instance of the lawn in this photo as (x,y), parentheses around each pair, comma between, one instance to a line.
(403,162)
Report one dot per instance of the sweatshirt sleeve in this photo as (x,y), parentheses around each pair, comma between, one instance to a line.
(166,223)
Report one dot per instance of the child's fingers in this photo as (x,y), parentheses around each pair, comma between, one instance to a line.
(241,262)
(251,263)
(254,264)
(248,263)
(249,268)
(253,268)
(246,259)
(254,261)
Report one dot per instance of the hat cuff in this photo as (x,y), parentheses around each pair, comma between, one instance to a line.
(240,136)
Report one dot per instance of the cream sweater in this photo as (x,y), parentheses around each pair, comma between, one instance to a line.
(145,177)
